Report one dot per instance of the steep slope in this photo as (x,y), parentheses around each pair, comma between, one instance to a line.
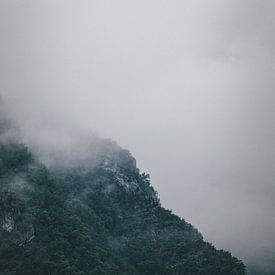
(100,216)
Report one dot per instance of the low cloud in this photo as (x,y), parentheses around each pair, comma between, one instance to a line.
(187,86)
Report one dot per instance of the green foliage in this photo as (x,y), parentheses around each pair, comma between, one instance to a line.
(97,221)
(13,158)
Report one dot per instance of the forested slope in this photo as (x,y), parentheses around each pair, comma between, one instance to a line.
(95,217)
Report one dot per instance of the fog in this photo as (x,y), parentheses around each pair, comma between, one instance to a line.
(186,86)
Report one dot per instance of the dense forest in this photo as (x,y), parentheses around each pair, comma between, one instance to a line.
(95,217)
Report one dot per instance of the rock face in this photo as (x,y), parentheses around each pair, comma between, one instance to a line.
(100,216)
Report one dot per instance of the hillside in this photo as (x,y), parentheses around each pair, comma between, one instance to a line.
(99,216)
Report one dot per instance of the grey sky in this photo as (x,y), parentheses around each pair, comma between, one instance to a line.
(187,86)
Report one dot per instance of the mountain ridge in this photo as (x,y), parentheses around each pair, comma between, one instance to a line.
(100,216)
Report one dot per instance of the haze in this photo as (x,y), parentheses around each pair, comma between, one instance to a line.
(186,86)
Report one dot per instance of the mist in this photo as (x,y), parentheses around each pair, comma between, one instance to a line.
(186,86)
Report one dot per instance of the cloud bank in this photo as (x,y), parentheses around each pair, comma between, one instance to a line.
(187,86)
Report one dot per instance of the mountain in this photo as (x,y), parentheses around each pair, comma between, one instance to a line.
(99,215)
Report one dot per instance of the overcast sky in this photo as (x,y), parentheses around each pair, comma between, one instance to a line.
(186,86)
